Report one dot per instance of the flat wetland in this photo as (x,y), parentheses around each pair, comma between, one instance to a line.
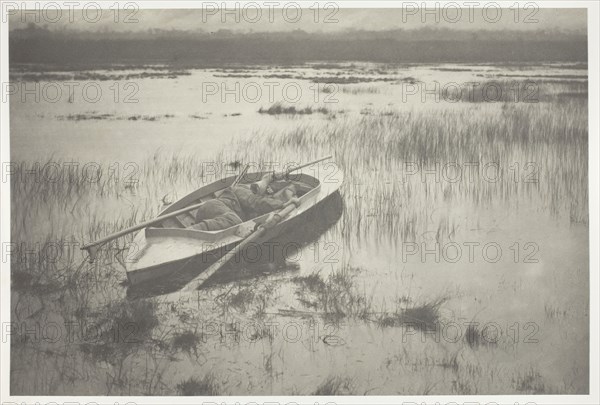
(455,259)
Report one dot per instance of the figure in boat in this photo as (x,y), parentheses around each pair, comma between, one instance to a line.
(243,202)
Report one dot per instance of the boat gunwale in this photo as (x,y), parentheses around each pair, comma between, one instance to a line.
(324,192)
(189,232)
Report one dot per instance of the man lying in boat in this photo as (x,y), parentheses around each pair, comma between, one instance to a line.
(239,204)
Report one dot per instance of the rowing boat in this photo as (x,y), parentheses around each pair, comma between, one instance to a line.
(166,247)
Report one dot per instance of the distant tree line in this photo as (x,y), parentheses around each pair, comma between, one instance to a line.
(198,48)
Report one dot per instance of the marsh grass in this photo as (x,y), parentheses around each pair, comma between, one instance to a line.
(530,382)
(206,386)
(335,297)
(124,327)
(555,312)
(424,316)
(350,79)
(95,116)
(331,78)
(473,336)
(186,341)
(96,76)
(386,156)
(242,298)
(338,296)
(360,90)
(496,91)
(476,337)
(282,109)
(334,385)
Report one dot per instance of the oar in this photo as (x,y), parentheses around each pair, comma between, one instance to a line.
(93,247)
(260,231)
(239,177)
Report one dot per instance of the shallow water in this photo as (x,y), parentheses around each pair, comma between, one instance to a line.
(212,99)
(506,261)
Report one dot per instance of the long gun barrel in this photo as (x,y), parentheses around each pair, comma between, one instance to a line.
(260,187)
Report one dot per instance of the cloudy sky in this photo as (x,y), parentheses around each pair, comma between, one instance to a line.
(292,18)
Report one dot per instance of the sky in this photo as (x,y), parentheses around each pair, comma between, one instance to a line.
(332,19)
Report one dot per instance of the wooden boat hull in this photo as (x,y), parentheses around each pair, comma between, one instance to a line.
(157,253)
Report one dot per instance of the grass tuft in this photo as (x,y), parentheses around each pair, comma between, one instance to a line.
(334,385)
(193,386)
(530,382)
(280,108)
(186,341)
(336,296)
(423,317)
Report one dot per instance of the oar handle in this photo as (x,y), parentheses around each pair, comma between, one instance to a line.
(89,247)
